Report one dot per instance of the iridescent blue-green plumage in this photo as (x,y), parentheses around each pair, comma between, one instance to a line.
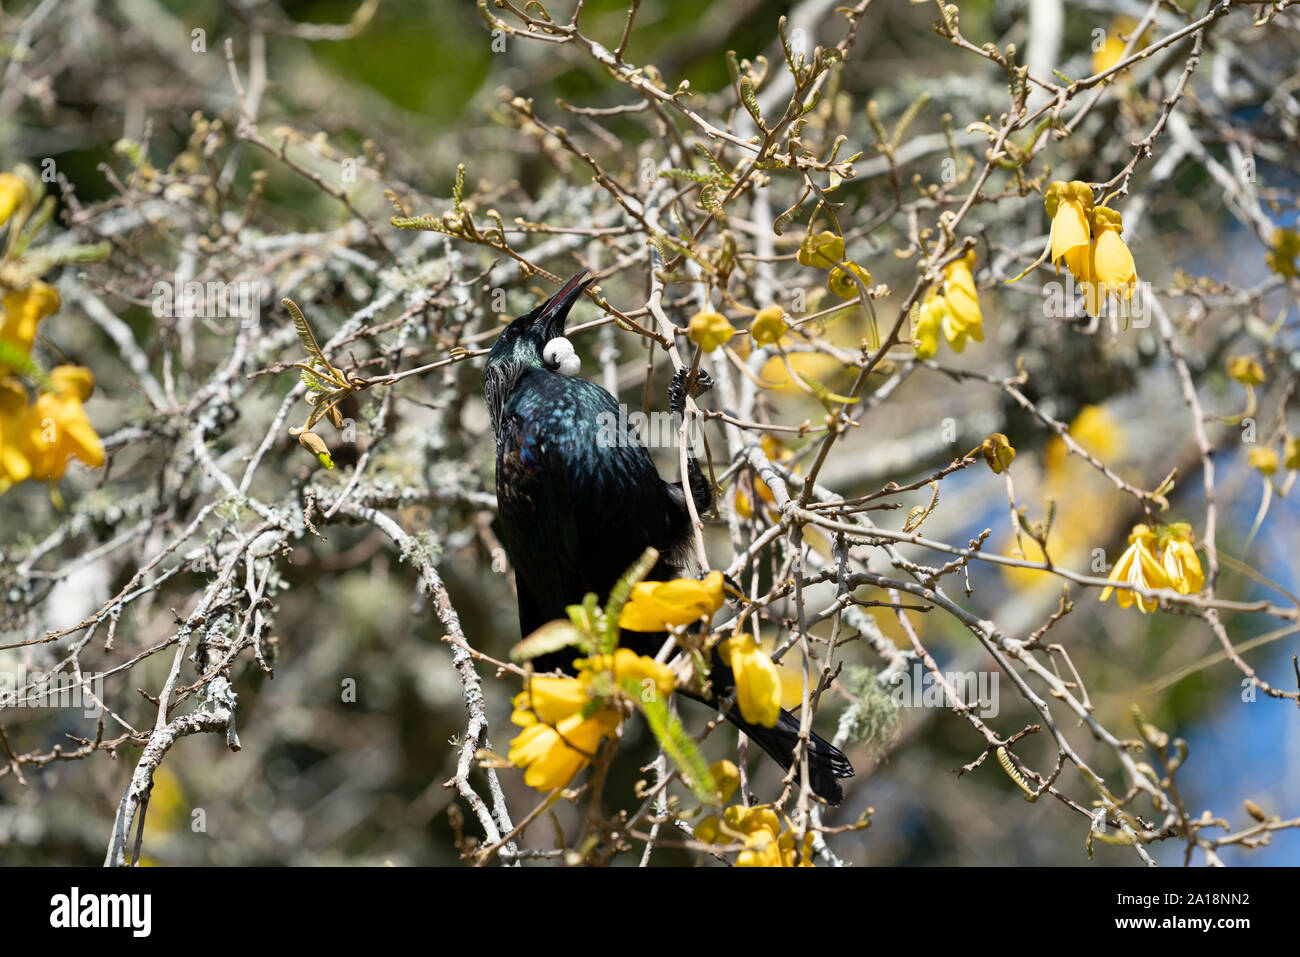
(579,500)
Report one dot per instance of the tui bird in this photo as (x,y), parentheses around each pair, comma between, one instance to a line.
(577,509)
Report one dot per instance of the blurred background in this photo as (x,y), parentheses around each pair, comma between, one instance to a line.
(103,90)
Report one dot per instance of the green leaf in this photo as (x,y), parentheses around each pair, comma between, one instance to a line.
(785,218)
(18,360)
(719,172)
(426,222)
(459,188)
(675,742)
(311,382)
(906,119)
(32,227)
(685,174)
(750,100)
(552,636)
(304,330)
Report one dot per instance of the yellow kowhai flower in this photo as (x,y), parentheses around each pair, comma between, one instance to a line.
(655,606)
(726,776)
(23,310)
(758,683)
(549,700)
(821,251)
(565,719)
(1291,453)
(708,330)
(1096,430)
(766,845)
(930,321)
(56,427)
(1247,370)
(842,284)
(1263,460)
(769,326)
(1070,206)
(1281,258)
(962,317)
(626,664)
(1112,51)
(552,754)
(1110,264)
(13,193)
(998,452)
(1179,559)
(1138,566)
(14,466)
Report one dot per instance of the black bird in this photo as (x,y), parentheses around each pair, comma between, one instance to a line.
(576,510)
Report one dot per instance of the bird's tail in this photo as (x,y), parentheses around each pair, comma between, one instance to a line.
(826,763)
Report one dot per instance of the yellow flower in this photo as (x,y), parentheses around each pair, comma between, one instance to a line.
(1179,559)
(961,298)
(930,319)
(627,664)
(553,755)
(769,326)
(23,309)
(765,843)
(758,683)
(842,284)
(13,192)
(56,426)
(1247,370)
(655,606)
(14,466)
(548,700)
(1291,453)
(1095,430)
(744,507)
(557,741)
(1263,459)
(821,251)
(727,777)
(1138,566)
(759,828)
(1113,50)
(1281,258)
(998,452)
(1069,206)
(1110,264)
(708,330)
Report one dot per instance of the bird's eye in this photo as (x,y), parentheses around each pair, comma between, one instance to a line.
(559,355)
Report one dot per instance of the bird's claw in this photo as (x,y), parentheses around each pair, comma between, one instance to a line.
(703,383)
(679,388)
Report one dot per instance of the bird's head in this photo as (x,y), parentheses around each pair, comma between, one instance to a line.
(524,341)
(534,340)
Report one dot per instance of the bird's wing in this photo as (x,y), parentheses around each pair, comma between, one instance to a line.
(537,522)
(579,497)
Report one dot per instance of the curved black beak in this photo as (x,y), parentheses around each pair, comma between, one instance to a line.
(556,309)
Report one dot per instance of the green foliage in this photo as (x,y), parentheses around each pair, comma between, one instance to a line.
(873,718)
(676,743)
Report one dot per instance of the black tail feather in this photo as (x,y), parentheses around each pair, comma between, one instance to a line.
(826,763)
